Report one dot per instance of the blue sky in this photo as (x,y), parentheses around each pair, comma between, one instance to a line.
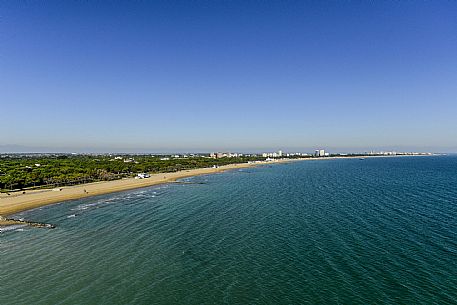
(228,75)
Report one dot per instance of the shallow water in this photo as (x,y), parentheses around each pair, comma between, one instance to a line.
(379,231)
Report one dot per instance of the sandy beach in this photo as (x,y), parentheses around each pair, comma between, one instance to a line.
(17,202)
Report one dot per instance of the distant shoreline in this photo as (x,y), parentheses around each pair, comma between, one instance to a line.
(10,205)
(34,199)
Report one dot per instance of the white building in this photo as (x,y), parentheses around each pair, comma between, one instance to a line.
(218,155)
(142,176)
(319,153)
(278,154)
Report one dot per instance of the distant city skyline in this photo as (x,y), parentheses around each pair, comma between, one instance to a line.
(246,76)
(4,149)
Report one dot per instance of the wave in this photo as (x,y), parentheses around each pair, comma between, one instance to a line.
(11,228)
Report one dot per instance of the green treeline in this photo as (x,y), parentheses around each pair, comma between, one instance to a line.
(52,171)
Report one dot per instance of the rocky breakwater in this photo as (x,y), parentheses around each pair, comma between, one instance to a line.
(5,222)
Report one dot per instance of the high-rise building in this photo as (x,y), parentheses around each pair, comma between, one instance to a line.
(319,153)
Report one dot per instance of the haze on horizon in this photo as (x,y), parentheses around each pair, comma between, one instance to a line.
(237,75)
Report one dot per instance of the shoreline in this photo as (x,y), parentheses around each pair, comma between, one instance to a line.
(34,199)
(39,198)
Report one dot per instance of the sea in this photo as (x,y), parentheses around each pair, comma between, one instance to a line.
(340,231)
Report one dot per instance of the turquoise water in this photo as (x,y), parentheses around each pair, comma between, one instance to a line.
(377,231)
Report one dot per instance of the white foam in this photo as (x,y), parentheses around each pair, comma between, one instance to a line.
(11,228)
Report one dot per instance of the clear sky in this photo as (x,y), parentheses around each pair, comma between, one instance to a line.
(228,75)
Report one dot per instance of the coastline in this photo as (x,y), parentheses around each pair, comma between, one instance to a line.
(34,199)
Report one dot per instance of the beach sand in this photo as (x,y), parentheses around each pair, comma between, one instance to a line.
(17,202)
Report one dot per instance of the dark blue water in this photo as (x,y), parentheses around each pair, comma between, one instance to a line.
(374,231)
